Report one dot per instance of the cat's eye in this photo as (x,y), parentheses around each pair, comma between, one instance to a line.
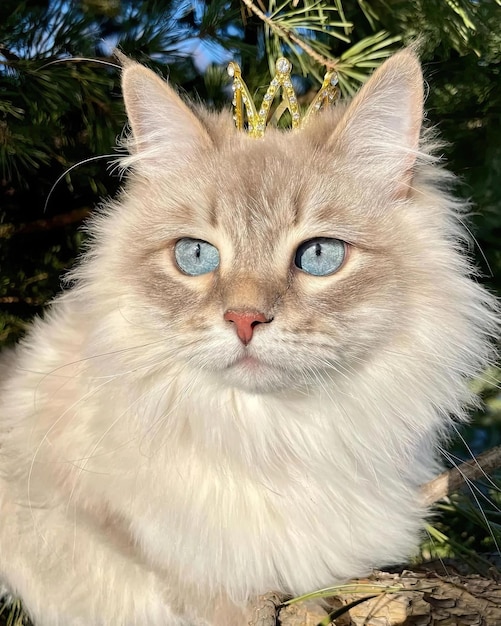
(321,256)
(195,256)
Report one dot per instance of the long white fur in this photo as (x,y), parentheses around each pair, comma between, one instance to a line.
(147,478)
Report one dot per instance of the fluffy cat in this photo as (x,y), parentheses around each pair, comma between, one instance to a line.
(244,387)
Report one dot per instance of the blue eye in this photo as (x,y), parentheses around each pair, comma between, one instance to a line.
(320,256)
(195,257)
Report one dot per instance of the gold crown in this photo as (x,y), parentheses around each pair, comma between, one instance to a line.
(258,120)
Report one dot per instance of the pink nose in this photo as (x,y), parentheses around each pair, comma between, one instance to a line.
(245,321)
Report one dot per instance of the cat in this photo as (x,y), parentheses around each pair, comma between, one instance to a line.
(243,387)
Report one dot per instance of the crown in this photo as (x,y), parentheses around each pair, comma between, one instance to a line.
(257,120)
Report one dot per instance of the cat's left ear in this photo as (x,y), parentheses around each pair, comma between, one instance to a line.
(381,127)
(166,133)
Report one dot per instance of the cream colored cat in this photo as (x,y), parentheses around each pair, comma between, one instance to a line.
(243,389)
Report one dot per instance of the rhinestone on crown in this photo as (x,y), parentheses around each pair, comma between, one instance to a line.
(257,119)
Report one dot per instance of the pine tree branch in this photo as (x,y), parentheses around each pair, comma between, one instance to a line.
(451,480)
(285,33)
(5,52)
(58,221)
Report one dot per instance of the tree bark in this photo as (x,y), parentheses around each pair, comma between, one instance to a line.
(424,599)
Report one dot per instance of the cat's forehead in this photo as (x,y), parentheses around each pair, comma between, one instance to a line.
(254,192)
(257,178)
(280,181)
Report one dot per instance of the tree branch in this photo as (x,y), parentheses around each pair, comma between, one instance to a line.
(57,221)
(453,479)
(285,33)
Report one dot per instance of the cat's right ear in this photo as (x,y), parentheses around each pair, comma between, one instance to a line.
(165,132)
(381,126)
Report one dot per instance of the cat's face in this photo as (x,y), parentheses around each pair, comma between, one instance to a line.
(273,262)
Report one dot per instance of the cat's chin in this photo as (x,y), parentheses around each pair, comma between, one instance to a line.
(254,375)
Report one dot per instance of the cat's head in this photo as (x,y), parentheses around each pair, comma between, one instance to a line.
(272,261)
